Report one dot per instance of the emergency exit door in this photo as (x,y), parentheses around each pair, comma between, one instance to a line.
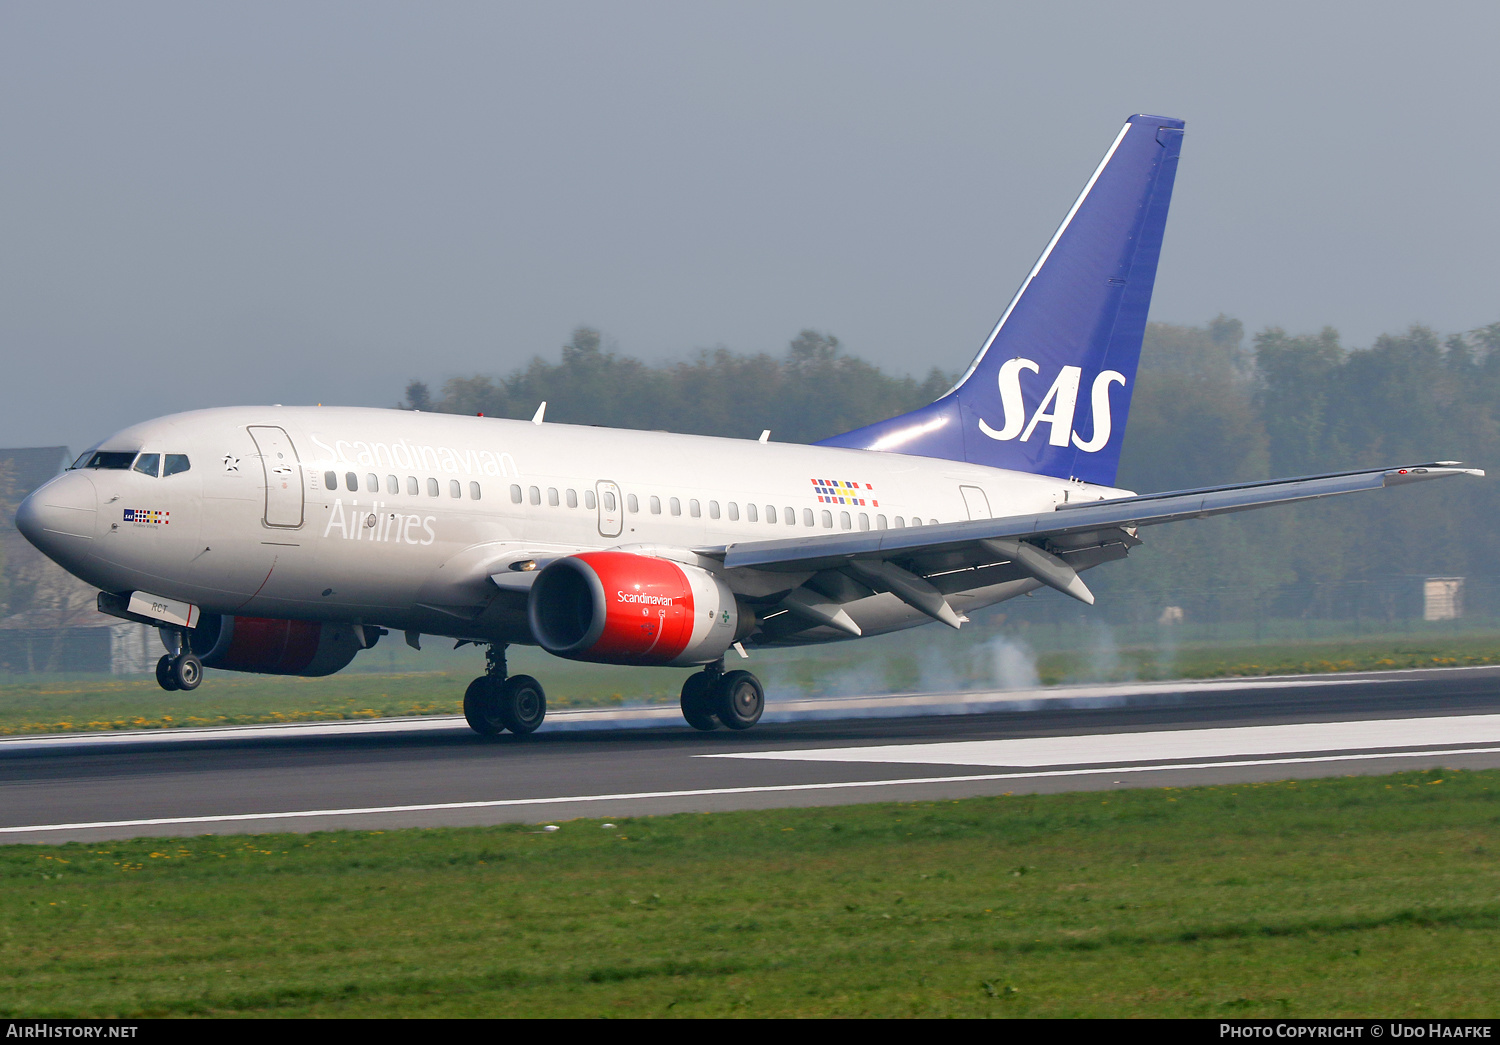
(976,502)
(611,509)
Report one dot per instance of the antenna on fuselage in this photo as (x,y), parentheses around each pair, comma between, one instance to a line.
(536,418)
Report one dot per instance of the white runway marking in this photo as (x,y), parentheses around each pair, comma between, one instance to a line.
(298,814)
(1163,744)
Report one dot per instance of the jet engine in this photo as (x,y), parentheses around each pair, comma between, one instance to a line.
(277,647)
(622,608)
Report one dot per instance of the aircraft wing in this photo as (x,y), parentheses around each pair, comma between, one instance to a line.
(1049,547)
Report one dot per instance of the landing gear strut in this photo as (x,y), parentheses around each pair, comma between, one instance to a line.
(714,696)
(494,702)
(180,670)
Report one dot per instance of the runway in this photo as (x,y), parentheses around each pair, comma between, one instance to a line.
(425,772)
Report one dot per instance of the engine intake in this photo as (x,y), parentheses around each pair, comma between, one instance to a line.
(623,608)
(270,646)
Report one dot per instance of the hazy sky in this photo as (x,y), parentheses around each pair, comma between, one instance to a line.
(205,204)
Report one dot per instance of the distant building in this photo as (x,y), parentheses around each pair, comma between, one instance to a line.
(28,467)
(110,646)
(1442,598)
(50,622)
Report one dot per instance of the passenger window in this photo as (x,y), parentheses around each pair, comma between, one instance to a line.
(844,520)
(915,521)
(515,494)
(791,516)
(392,484)
(880,523)
(330,480)
(535,493)
(827,519)
(932,522)
(372,482)
(655,505)
(750,513)
(734,511)
(609,500)
(770,513)
(588,499)
(807,518)
(351,482)
(572,498)
(864,521)
(675,505)
(412,486)
(148,464)
(174,463)
(474,491)
(633,503)
(552,496)
(454,488)
(693,508)
(900,523)
(432,487)
(713,509)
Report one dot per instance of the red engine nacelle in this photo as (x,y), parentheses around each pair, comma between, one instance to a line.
(276,647)
(621,608)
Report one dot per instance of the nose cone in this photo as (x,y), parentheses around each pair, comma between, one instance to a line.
(60,517)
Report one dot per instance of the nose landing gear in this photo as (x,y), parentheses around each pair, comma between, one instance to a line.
(714,696)
(180,670)
(494,703)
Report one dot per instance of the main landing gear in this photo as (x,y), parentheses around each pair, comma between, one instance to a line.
(494,703)
(180,670)
(714,696)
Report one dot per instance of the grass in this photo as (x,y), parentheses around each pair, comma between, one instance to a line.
(1346,897)
(1230,660)
(911,662)
(70,703)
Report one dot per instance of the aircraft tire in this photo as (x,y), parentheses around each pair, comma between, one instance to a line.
(739,699)
(164,676)
(482,706)
(187,671)
(522,704)
(697,702)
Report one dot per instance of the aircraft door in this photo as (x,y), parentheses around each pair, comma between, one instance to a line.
(611,509)
(283,474)
(976,502)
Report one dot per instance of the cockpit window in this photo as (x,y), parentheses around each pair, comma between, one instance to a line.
(175,463)
(111,459)
(148,464)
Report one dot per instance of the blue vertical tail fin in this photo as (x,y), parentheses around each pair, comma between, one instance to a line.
(1049,392)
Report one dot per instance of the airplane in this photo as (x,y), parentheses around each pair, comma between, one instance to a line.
(285,540)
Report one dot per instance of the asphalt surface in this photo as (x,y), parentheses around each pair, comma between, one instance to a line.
(426,772)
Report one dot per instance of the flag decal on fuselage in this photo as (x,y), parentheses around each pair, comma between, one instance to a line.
(844,491)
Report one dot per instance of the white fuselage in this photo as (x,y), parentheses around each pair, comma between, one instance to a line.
(421,507)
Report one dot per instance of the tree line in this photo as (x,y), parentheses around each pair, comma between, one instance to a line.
(1208,408)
